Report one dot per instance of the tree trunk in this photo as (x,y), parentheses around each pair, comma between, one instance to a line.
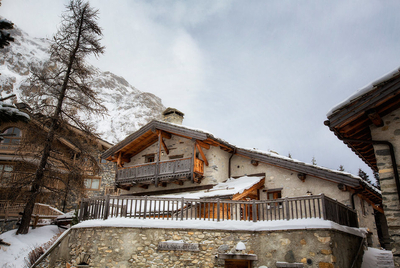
(35,190)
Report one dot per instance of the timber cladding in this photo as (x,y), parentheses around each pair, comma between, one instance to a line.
(139,247)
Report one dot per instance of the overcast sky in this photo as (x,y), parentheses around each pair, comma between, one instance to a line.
(259,74)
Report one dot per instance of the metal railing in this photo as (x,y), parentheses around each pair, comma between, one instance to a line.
(145,207)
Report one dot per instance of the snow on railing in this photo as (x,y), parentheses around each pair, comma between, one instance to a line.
(145,207)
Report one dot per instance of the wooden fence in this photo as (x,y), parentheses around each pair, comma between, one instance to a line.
(10,210)
(144,207)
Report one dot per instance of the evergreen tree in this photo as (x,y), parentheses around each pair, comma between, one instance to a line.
(314,161)
(363,175)
(341,168)
(289,155)
(60,90)
(5,37)
(377,181)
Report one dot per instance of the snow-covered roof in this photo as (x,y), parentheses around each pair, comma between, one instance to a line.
(264,156)
(362,91)
(228,188)
(9,112)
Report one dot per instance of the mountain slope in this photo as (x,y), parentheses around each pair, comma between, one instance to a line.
(128,107)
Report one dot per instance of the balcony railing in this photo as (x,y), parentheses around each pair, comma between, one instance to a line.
(144,207)
(161,170)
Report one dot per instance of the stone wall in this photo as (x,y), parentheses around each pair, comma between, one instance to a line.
(138,247)
(389,132)
(215,172)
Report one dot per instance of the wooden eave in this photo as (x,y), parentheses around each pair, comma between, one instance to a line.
(353,120)
(299,167)
(147,135)
(245,193)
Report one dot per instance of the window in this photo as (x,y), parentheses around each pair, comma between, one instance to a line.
(149,158)
(6,173)
(11,136)
(178,156)
(274,195)
(92,183)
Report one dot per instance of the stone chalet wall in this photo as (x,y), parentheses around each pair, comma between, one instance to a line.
(391,205)
(138,247)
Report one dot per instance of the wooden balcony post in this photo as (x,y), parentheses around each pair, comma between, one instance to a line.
(182,202)
(106,207)
(218,209)
(254,211)
(287,214)
(323,206)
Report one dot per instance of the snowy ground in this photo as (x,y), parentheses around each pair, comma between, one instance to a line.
(376,258)
(14,255)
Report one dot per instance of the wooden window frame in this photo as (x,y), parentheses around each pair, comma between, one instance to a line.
(93,189)
(12,138)
(149,157)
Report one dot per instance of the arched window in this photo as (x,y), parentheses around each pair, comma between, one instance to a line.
(11,135)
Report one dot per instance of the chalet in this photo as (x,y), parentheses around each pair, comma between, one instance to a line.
(17,162)
(165,158)
(368,123)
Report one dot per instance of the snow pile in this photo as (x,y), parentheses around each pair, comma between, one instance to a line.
(232,225)
(8,110)
(362,91)
(230,187)
(375,258)
(21,245)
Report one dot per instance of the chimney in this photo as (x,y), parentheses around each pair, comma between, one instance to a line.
(172,115)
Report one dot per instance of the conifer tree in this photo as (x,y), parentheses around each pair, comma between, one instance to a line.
(341,168)
(363,175)
(60,90)
(313,161)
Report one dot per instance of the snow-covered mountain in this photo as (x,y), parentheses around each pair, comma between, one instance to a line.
(128,107)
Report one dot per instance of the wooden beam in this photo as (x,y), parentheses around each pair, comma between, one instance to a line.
(120,163)
(374,117)
(165,146)
(204,145)
(202,154)
(371,203)
(166,134)
(245,193)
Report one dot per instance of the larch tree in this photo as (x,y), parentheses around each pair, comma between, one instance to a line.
(60,90)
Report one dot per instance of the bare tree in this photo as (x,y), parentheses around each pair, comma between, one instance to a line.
(61,91)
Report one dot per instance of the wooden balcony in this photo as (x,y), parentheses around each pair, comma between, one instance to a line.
(146,207)
(161,171)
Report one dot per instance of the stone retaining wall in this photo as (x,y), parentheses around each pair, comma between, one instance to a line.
(138,247)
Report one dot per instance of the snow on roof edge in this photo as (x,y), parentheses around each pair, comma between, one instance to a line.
(362,91)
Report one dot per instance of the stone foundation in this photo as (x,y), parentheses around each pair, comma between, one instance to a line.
(138,247)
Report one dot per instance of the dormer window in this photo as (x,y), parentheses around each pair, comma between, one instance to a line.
(11,136)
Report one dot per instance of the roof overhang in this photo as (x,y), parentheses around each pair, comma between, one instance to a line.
(148,135)
(352,121)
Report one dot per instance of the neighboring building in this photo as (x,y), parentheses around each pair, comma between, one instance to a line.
(165,158)
(17,163)
(368,122)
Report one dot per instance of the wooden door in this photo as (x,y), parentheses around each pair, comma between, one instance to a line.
(237,264)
